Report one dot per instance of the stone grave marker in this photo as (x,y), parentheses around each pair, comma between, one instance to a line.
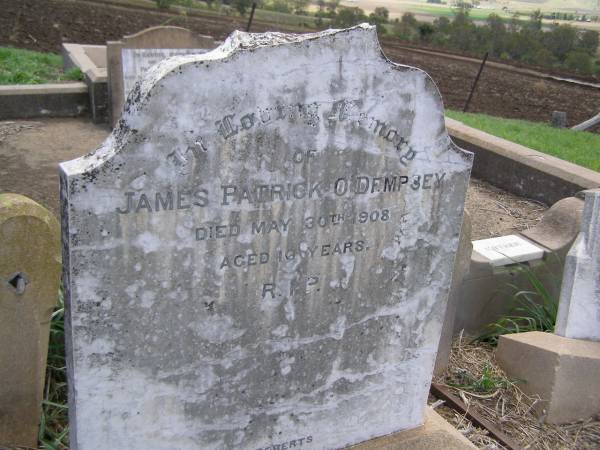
(262,261)
(133,55)
(29,280)
(579,307)
(505,250)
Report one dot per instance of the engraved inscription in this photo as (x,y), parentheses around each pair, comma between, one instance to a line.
(232,194)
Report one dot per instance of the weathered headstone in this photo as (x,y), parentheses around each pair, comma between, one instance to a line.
(133,55)
(579,307)
(262,260)
(462,263)
(29,281)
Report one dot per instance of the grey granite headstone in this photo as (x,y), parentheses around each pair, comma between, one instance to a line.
(259,256)
(579,306)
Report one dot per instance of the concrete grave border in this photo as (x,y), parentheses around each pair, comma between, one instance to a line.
(521,170)
(26,101)
(91,60)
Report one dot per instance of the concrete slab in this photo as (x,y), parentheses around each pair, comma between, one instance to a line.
(435,434)
(563,372)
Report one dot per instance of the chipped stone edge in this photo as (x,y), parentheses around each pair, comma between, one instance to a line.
(237,42)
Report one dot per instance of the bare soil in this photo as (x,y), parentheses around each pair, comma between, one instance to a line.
(45,24)
(30,152)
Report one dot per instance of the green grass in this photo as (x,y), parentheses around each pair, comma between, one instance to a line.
(578,147)
(488,381)
(28,67)
(532,309)
(54,428)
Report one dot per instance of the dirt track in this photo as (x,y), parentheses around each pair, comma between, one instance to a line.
(45,24)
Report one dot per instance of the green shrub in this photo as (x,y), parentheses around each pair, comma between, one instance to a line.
(579,61)
(164,4)
(532,310)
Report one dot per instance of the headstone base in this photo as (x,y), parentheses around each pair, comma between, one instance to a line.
(562,371)
(436,433)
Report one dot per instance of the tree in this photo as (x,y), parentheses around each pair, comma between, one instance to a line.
(407,27)
(540,57)
(379,17)
(588,41)
(348,17)
(442,25)
(495,35)
(164,4)
(560,40)
(426,31)
(462,31)
(579,61)
(332,6)
(281,6)
(382,12)
(242,6)
(299,5)
(535,20)
(525,42)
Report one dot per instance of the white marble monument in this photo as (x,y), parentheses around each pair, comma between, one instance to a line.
(260,254)
(579,307)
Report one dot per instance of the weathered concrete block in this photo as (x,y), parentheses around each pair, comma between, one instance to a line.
(579,307)
(562,371)
(265,258)
(435,434)
(29,281)
(43,100)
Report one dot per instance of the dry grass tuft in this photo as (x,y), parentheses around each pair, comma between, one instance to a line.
(474,376)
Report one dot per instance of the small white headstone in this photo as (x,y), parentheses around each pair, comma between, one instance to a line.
(137,61)
(260,254)
(579,307)
(505,250)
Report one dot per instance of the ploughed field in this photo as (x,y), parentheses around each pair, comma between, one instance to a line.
(44,24)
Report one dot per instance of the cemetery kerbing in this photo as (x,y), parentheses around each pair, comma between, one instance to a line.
(353,225)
